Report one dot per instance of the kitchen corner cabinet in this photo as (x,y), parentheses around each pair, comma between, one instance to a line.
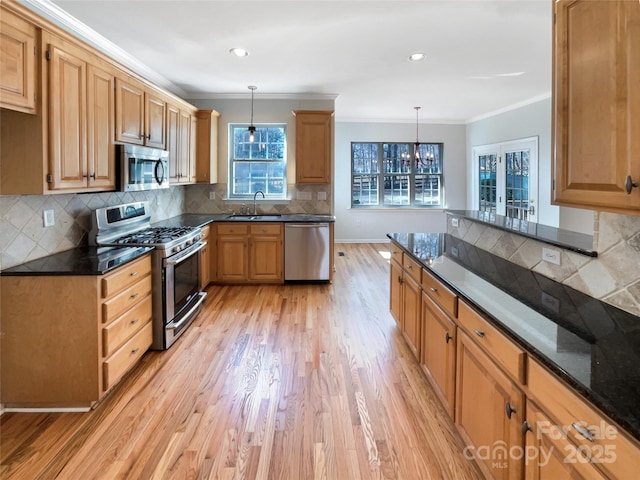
(207,146)
(249,252)
(140,114)
(73,343)
(205,259)
(314,146)
(596,105)
(18,67)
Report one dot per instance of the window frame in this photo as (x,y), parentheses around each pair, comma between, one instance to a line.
(231,161)
(412,174)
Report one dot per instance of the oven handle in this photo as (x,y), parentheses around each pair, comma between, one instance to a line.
(179,257)
(187,316)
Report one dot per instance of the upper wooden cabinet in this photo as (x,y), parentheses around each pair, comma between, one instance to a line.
(207,146)
(181,143)
(596,105)
(314,146)
(18,57)
(140,115)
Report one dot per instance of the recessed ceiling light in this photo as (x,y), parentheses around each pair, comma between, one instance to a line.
(416,57)
(239,52)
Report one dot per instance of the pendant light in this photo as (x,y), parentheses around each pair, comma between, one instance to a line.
(252,128)
(416,146)
(420,162)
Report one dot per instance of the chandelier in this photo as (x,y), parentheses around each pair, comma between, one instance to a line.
(252,128)
(420,161)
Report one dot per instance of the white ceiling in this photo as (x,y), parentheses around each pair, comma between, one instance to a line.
(356,50)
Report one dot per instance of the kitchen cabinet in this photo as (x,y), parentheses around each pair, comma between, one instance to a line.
(592,445)
(395,284)
(140,114)
(439,334)
(81,118)
(314,146)
(595,136)
(181,144)
(249,252)
(18,62)
(73,343)
(205,259)
(206,145)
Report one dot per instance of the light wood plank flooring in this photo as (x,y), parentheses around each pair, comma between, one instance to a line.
(270,382)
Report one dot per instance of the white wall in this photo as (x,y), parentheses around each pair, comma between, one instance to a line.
(366,225)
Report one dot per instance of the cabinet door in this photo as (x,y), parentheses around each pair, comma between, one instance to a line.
(265,258)
(129,112)
(411,317)
(488,411)
(439,351)
(173,140)
(184,149)
(596,96)
(313,146)
(193,168)
(395,288)
(67,120)
(17,63)
(232,258)
(207,146)
(100,126)
(155,117)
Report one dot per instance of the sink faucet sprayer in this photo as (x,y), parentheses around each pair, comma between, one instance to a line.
(255,211)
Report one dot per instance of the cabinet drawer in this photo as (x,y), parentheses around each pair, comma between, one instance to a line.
(266,229)
(507,354)
(396,253)
(124,358)
(440,293)
(114,334)
(125,276)
(610,450)
(411,267)
(115,306)
(233,229)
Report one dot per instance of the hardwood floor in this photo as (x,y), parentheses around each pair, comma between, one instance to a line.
(270,382)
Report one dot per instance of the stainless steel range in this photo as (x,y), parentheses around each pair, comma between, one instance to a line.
(176,264)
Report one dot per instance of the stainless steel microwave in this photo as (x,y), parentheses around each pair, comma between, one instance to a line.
(142,168)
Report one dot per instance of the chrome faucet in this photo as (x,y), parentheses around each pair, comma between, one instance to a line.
(255,209)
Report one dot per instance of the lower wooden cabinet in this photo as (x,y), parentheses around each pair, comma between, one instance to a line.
(73,341)
(249,252)
(489,412)
(395,290)
(205,259)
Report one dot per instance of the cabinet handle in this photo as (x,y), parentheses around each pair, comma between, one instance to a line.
(134,273)
(133,296)
(629,184)
(93,175)
(408,267)
(399,279)
(584,431)
(480,333)
(434,289)
(148,137)
(447,337)
(525,428)
(134,351)
(509,410)
(133,322)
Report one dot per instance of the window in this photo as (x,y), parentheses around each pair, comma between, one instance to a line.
(387,175)
(506,178)
(260,165)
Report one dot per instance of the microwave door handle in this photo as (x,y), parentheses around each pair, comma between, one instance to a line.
(179,258)
(159,167)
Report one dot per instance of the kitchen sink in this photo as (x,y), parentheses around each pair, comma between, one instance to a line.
(266,216)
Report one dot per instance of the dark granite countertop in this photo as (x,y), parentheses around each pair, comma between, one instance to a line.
(592,345)
(200,220)
(79,261)
(574,241)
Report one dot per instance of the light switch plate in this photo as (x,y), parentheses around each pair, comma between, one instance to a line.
(551,256)
(455,222)
(212,195)
(48,217)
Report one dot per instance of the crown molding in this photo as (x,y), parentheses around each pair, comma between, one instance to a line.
(515,106)
(261,96)
(57,16)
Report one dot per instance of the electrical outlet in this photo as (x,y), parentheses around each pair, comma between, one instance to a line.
(551,256)
(48,217)
(212,195)
(322,195)
(455,222)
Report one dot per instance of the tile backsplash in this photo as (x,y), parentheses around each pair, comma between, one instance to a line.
(613,276)
(23,236)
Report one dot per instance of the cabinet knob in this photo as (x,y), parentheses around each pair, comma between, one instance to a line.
(479,333)
(509,410)
(93,175)
(447,337)
(134,351)
(433,289)
(629,184)
(133,296)
(584,431)
(134,273)
(133,322)
(525,428)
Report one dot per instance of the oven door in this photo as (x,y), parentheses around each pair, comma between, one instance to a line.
(182,295)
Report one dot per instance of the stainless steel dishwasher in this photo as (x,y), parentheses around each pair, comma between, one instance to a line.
(306,251)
